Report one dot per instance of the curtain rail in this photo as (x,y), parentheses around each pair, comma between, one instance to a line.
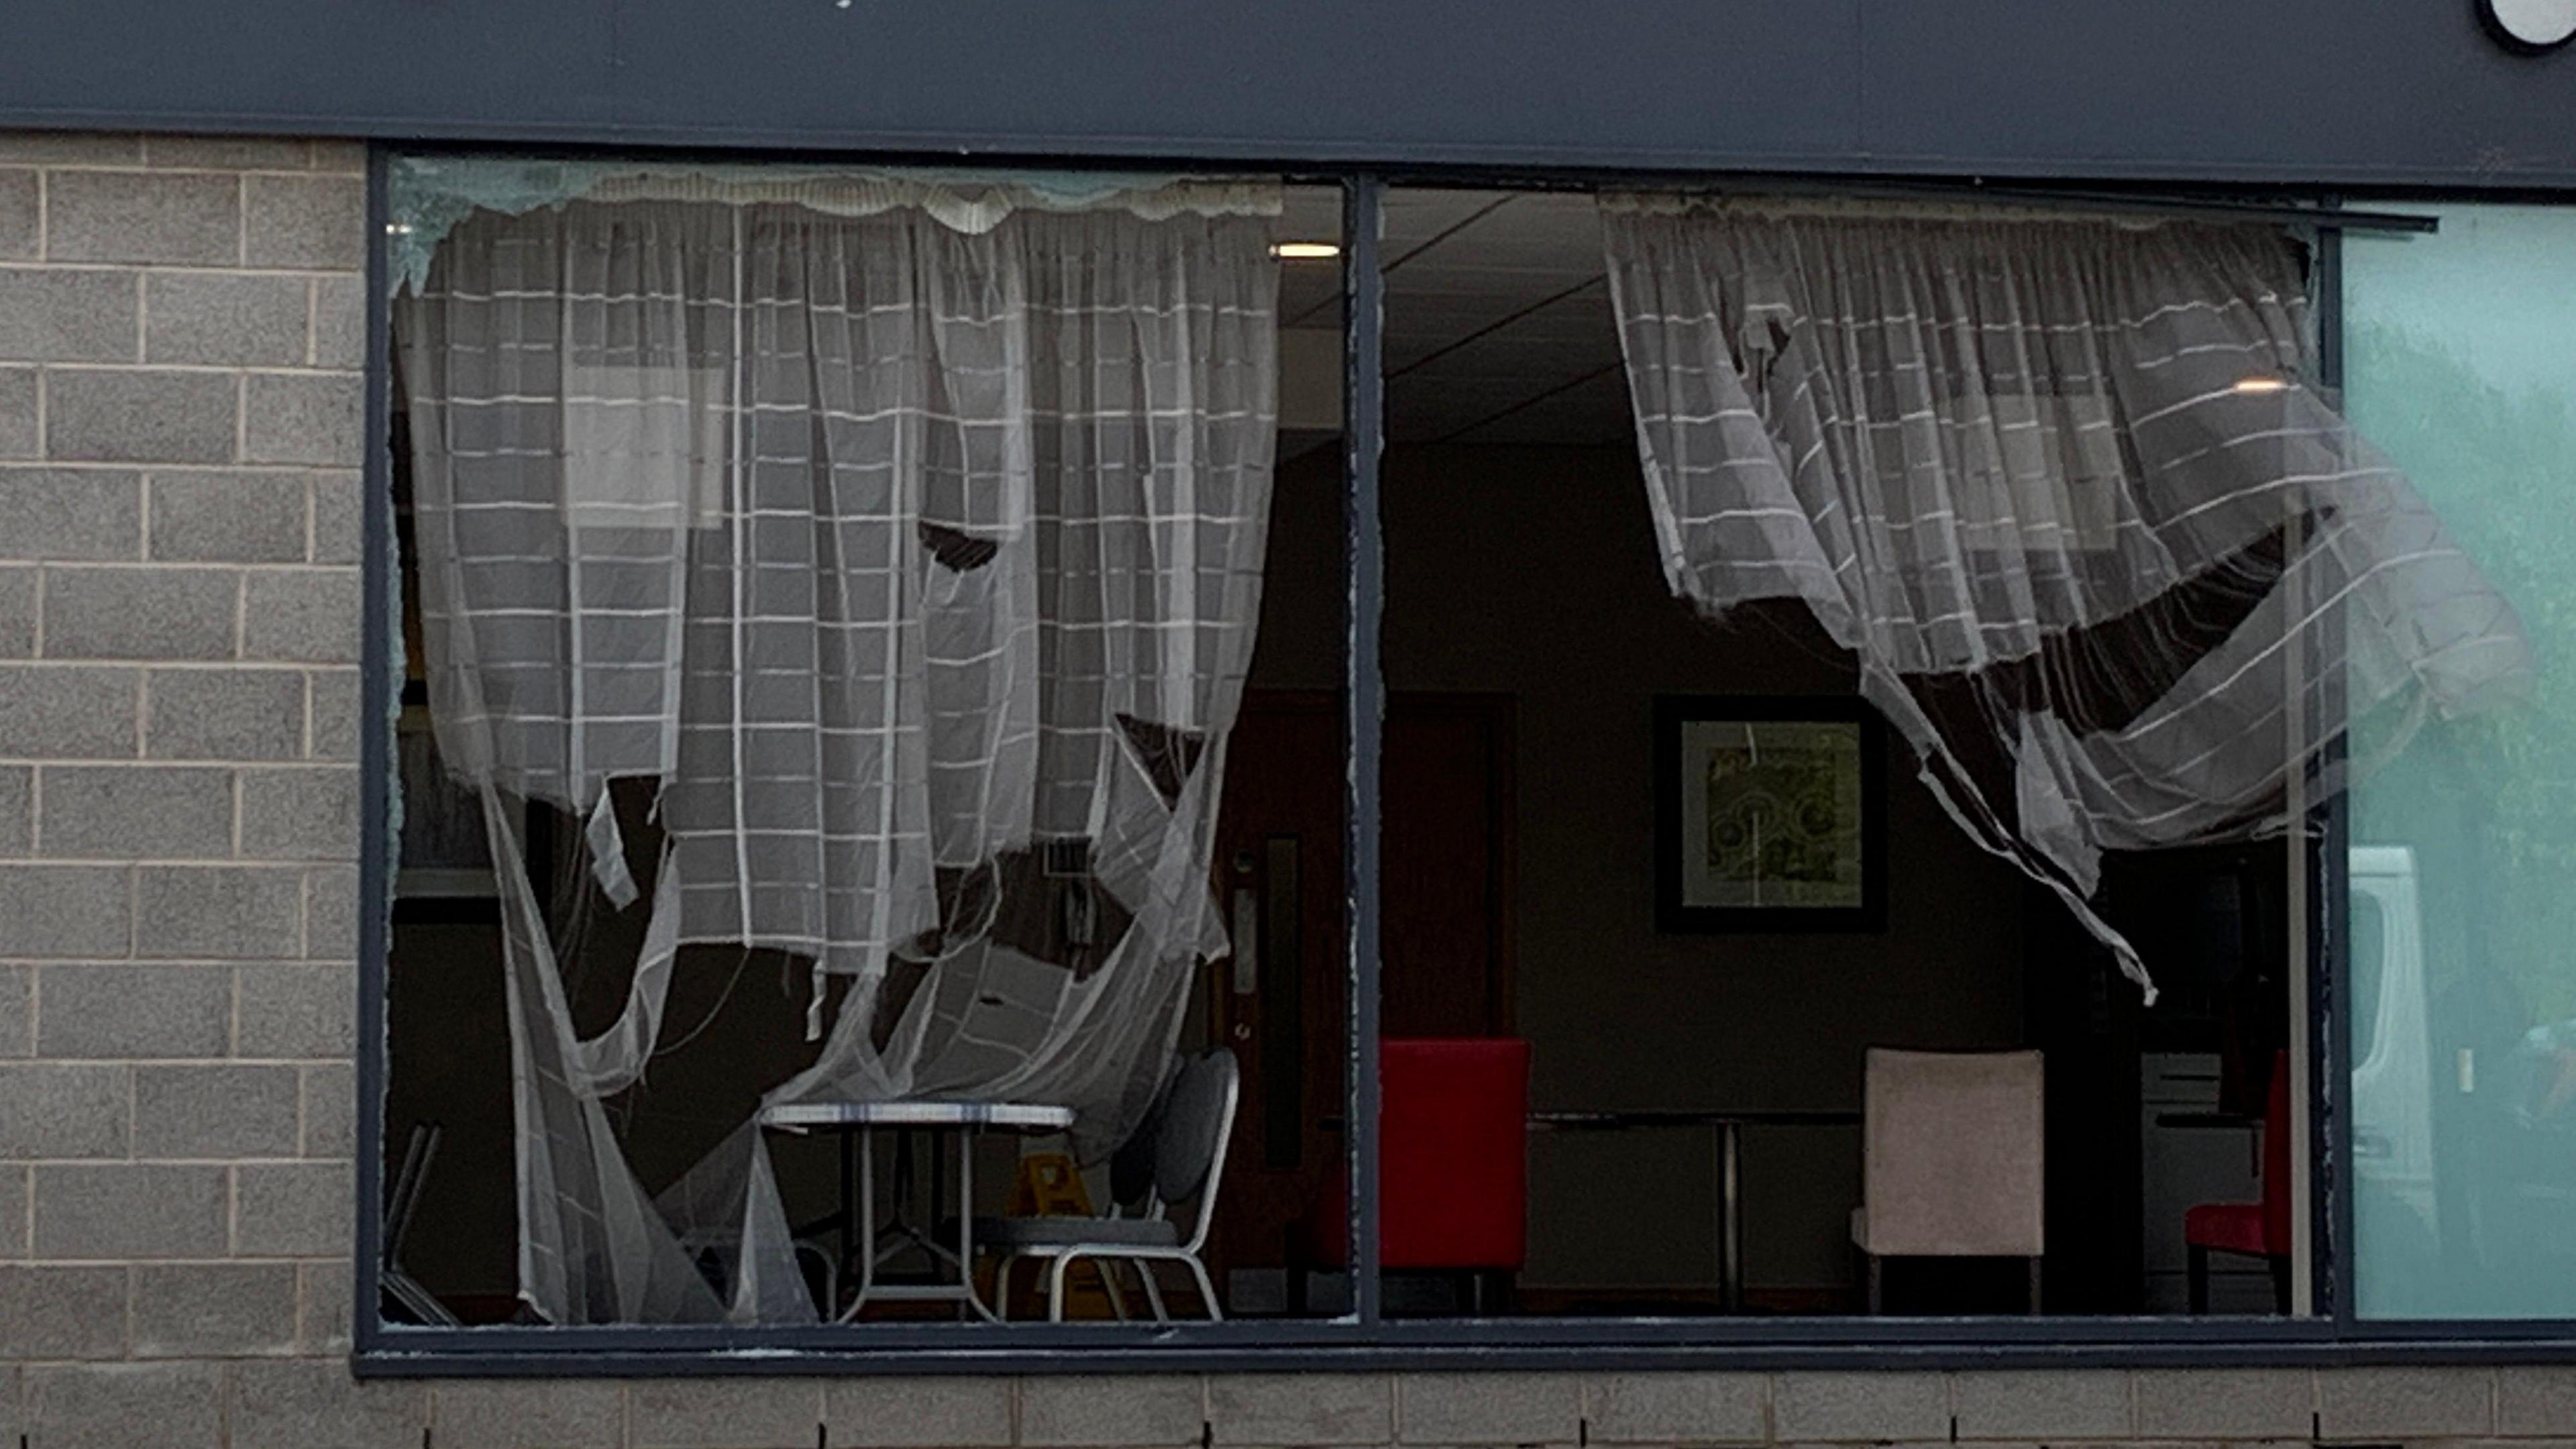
(2281,213)
(2137,203)
(2108,203)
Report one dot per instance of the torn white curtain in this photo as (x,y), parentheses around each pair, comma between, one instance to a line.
(2062,484)
(916,572)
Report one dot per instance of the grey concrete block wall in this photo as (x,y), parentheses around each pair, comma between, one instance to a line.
(179,487)
(181,345)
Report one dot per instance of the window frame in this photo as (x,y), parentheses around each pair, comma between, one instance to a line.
(1366,1337)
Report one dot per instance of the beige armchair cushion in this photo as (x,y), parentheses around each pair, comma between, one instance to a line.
(1953,1158)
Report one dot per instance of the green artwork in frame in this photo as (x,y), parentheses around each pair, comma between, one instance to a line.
(1769,814)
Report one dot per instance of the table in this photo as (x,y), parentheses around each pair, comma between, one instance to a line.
(856,1124)
(1729,1124)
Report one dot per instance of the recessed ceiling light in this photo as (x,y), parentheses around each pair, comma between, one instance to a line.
(2262,382)
(1306,251)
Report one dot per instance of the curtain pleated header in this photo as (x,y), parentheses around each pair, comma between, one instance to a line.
(430,195)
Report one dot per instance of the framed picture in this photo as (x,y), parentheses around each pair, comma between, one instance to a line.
(1770,814)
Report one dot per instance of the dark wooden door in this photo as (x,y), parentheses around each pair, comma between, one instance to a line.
(1445,935)
(1446,880)
(1279,1004)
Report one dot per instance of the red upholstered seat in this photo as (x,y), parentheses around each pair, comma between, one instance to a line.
(1453,1144)
(1453,1153)
(2258,1228)
(2228,1227)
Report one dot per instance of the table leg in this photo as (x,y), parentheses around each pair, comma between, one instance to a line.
(966,1228)
(899,1221)
(899,1225)
(1730,1216)
(844,1276)
(866,1213)
(925,1234)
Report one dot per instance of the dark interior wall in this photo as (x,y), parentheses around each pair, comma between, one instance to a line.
(1532,572)
(448,1039)
(734,1028)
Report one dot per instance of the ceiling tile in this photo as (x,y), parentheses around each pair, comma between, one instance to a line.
(1501,330)
(1415,214)
(1309,294)
(1528,231)
(1311,213)
(1591,412)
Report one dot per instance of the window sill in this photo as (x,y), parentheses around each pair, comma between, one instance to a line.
(1522,1343)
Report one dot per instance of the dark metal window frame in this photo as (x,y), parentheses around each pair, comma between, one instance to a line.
(1366,1338)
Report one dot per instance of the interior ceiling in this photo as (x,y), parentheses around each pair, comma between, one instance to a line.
(1498,321)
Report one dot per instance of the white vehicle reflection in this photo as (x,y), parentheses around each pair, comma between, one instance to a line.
(2392,1075)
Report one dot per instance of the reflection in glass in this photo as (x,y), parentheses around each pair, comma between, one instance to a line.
(2463,929)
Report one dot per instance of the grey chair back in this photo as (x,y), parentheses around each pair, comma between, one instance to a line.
(1131,1167)
(1197,1123)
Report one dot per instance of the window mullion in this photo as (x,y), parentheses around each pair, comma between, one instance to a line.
(1363,380)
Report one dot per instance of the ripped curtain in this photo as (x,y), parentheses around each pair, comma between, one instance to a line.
(907,556)
(2068,489)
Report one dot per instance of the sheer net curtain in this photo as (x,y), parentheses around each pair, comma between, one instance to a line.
(909,553)
(2066,488)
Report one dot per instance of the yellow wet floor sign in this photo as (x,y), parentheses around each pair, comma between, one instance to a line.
(1049,1185)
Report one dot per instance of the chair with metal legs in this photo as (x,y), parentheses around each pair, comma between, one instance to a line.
(2255,1229)
(1189,1131)
(1131,1194)
(1953,1160)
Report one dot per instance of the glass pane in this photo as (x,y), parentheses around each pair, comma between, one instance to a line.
(2463,972)
(869,855)
(1642,861)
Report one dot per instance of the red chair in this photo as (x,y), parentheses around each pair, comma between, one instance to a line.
(1453,1149)
(2254,1229)
(1453,1154)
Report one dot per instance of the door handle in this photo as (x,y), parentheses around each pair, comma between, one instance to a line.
(1246,976)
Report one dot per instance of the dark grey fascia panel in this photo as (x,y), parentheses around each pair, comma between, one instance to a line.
(1756,81)
(318,67)
(2274,91)
(2319,93)
(1320,81)
(2284,92)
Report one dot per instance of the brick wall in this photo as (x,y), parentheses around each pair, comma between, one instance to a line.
(180,431)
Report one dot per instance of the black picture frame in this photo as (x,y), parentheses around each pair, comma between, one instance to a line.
(1674,913)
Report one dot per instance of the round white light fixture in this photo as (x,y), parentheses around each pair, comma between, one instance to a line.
(2531,24)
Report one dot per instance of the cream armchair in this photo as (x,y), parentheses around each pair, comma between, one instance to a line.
(1953,1160)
